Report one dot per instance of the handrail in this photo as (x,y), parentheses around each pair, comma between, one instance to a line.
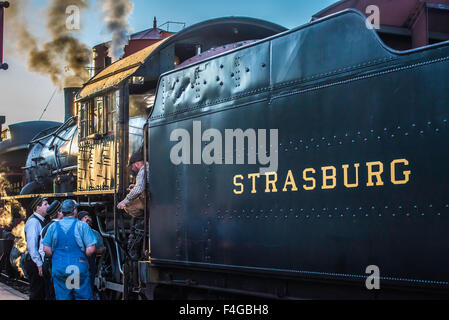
(146,219)
(63,127)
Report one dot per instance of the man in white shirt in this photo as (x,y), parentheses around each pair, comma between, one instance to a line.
(33,260)
(55,214)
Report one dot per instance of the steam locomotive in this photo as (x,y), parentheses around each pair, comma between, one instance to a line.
(353,178)
(86,157)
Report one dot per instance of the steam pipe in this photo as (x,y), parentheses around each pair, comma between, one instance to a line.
(114,207)
(57,162)
(118,258)
(146,220)
(100,229)
(93,204)
(67,169)
(111,236)
(64,126)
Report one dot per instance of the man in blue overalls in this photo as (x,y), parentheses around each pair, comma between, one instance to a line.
(86,218)
(70,242)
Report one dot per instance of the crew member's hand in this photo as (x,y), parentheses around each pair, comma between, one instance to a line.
(121,205)
(41,274)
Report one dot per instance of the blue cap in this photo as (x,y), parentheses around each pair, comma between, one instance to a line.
(68,206)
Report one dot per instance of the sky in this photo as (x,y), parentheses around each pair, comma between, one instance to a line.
(24,95)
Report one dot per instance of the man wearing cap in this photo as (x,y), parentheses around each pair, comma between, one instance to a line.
(32,259)
(133,203)
(86,218)
(55,214)
(69,242)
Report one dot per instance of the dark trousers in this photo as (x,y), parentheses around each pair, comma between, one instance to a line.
(37,283)
(49,288)
(92,271)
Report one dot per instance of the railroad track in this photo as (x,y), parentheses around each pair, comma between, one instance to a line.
(17,284)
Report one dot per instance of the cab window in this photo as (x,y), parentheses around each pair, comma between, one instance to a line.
(98,116)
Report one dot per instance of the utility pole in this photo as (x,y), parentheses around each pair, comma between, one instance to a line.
(3,5)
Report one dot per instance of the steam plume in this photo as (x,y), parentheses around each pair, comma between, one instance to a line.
(116,14)
(64,57)
(8,214)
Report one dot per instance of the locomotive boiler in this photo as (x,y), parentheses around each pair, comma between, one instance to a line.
(52,158)
(14,146)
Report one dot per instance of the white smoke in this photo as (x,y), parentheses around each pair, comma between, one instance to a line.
(116,15)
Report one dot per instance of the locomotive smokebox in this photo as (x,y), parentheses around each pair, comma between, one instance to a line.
(69,97)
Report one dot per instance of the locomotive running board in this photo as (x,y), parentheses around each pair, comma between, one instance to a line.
(59,195)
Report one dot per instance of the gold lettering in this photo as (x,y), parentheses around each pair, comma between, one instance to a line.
(253,177)
(238,184)
(345,174)
(405,173)
(271,182)
(304,175)
(377,174)
(332,177)
(375,169)
(290,181)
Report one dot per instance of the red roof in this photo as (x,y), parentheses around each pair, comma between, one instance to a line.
(149,34)
(392,13)
(404,24)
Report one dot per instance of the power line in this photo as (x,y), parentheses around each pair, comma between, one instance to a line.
(54,92)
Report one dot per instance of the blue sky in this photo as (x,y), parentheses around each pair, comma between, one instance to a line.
(25,94)
(288,13)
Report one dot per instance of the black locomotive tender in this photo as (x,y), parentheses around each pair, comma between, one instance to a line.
(362,174)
